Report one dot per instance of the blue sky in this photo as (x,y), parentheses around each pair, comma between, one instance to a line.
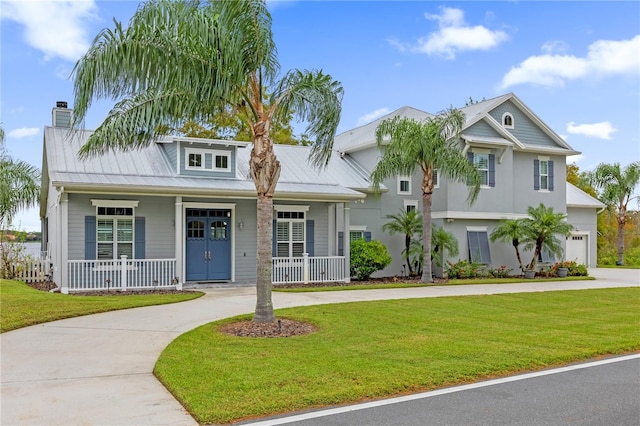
(575,64)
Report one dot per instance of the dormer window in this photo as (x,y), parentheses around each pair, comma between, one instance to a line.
(195,161)
(207,159)
(507,120)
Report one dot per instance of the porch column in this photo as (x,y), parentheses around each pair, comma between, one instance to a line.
(178,243)
(333,232)
(64,242)
(345,242)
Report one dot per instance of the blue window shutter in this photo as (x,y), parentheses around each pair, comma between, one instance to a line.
(340,243)
(492,170)
(367,236)
(478,247)
(550,175)
(310,237)
(274,244)
(470,158)
(140,238)
(536,175)
(89,237)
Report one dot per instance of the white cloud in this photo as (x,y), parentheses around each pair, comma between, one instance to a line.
(554,46)
(56,28)
(23,132)
(454,36)
(367,118)
(574,158)
(604,58)
(602,130)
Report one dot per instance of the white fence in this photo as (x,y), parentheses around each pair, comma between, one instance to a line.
(307,269)
(123,274)
(31,270)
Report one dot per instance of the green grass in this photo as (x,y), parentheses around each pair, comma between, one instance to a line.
(21,305)
(619,266)
(416,284)
(386,348)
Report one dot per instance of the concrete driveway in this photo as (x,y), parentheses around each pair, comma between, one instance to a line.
(98,369)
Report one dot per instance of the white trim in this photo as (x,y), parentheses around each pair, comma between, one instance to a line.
(476,229)
(544,158)
(464,215)
(437,173)
(290,208)
(480,150)
(220,153)
(508,126)
(206,153)
(195,151)
(399,180)
(408,203)
(115,203)
(357,228)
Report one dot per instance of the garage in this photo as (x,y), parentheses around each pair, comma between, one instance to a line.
(577,248)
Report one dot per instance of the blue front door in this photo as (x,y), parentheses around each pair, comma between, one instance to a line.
(208,248)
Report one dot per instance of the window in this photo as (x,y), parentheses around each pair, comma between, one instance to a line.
(404,185)
(543,174)
(115,232)
(410,205)
(359,233)
(207,159)
(435,176)
(290,233)
(485,162)
(356,235)
(478,246)
(507,120)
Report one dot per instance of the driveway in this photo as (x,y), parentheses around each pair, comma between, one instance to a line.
(98,369)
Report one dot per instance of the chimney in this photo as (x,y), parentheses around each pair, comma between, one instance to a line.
(61,115)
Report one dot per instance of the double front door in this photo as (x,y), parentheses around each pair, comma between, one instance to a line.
(208,248)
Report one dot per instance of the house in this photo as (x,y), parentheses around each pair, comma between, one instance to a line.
(182,211)
(522,162)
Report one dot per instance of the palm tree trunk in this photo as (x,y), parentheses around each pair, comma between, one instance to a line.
(427,274)
(265,171)
(621,239)
(516,243)
(407,244)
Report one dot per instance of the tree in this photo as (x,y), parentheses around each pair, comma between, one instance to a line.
(540,230)
(180,61)
(580,179)
(616,186)
(19,185)
(426,145)
(511,231)
(409,224)
(441,241)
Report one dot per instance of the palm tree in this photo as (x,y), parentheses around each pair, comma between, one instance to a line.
(510,231)
(540,230)
(19,185)
(617,186)
(441,241)
(425,145)
(408,223)
(182,60)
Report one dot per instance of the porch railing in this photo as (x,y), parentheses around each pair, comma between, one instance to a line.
(306,269)
(124,274)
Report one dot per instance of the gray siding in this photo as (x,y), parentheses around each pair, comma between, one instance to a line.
(586,220)
(171,151)
(208,160)
(524,195)
(482,128)
(524,129)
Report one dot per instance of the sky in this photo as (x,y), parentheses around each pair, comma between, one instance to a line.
(575,64)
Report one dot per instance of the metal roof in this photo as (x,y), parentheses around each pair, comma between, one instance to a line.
(148,170)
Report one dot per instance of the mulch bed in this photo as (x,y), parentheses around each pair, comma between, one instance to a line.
(282,327)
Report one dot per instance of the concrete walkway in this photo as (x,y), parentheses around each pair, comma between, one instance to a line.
(98,369)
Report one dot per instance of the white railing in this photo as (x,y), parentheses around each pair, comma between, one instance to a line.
(307,269)
(123,274)
(31,270)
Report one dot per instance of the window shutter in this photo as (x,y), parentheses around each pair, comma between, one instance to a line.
(140,238)
(492,170)
(310,237)
(90,237)
(536,175)
(550,175)
(470,158)
(340,243)
(274,242)
(367,236)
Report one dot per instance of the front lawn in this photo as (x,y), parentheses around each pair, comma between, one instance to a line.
(385,348)
(22,305)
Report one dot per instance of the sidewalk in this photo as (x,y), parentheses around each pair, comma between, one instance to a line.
(98,369)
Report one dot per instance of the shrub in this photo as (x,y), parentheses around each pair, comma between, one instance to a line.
(501,272)
(12,254)
(368,257)
(464,269)
(574,269)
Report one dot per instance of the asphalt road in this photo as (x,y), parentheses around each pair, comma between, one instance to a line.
(599,393)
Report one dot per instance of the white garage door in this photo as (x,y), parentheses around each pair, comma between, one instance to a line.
(577,249)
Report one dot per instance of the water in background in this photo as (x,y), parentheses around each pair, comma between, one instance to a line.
(32,248)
